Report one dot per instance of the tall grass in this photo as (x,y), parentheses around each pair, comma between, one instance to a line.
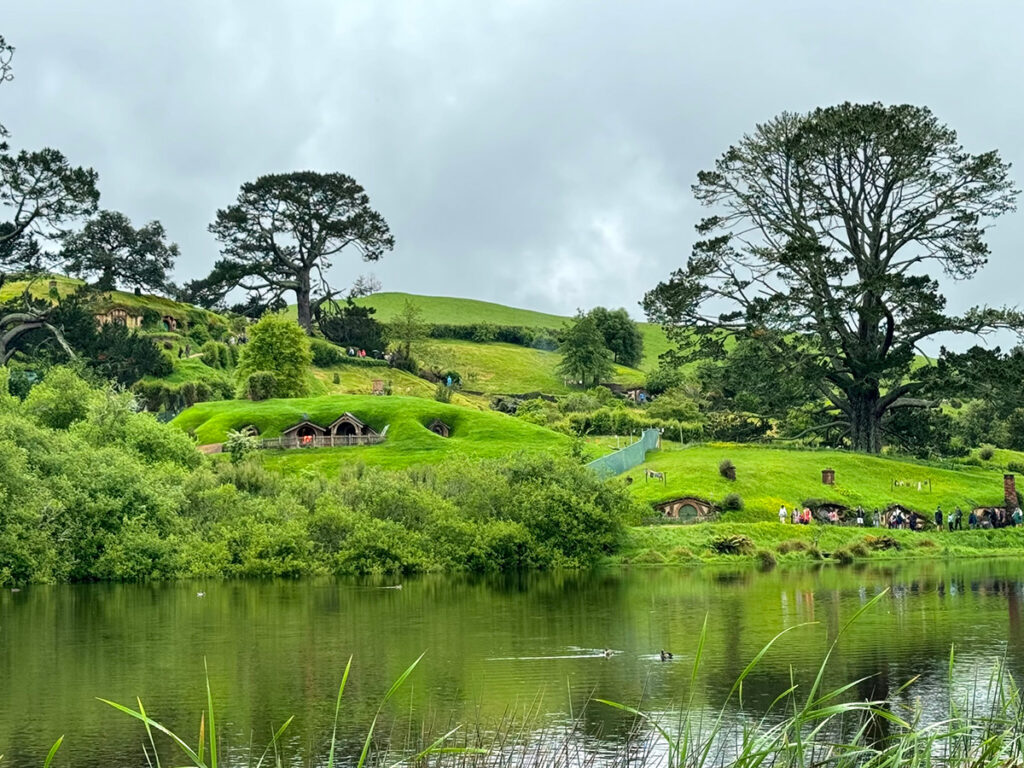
(808,725)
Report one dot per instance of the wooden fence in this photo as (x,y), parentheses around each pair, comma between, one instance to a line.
(320,441)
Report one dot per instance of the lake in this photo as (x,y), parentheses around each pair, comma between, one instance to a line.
(496,645)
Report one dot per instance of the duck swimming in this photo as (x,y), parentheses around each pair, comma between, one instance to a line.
(607,653)
(665,655)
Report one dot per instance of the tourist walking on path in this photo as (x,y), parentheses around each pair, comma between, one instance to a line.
(876,519)
(938,517)
(796,514)
(972,520)
(958,519)
(783,514)
(1017,516)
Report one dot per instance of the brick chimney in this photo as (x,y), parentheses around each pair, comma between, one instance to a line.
(1009,491)
(828,476)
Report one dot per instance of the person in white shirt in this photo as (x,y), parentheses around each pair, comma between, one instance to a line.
(783,514)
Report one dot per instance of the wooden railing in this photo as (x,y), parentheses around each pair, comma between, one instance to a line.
(320,441)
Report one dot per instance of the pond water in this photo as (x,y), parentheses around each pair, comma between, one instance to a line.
(531,642)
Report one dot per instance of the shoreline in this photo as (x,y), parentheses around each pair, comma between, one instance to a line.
(764,544)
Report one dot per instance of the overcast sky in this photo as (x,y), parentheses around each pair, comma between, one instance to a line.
(535,153)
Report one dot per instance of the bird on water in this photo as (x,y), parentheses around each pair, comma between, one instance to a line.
(665,655)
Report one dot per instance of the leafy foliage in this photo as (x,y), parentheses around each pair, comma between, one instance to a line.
(280,347)
(118,253)
(585,358)
(283,230)
(825,225)
(621,335)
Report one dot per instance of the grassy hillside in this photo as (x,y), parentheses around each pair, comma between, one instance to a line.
(110,299)
(506,368)
(452,311)
(475,434)
(768,477)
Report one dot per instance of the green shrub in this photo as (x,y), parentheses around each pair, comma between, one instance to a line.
(765,559)
(650,557)
(442,393)
(336,379)
(842,556)
(858,549)
(732,502)
(986,453)
(727,469)
(736,544)
(881,542)
(216,354)
(1016,467)
(261,385)
(326,354)
(791,545)
(681,554)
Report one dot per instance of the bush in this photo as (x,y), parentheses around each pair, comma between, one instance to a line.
(878,543)
(727,469)
(217,354)
(279,346)
(858,549)
(1016,467)
(791,545)
(736,544)
(842,556)
(336,379)
(986,453)
(326,354)
(442,393)
(765,560)
(261,385)
(733,502)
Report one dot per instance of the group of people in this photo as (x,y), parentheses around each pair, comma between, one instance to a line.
(910,520)
(800,516)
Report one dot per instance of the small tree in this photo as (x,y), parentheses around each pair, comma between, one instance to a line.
(621,335)
(585,358)
(241,444)
(404,330)
(117,253)
(279,346)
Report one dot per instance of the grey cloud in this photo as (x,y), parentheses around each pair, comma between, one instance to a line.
(528,152)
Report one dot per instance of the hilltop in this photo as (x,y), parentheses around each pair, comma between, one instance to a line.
(445,310)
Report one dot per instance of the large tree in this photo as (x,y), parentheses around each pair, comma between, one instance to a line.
(282,232)
(824,228)
(114,251)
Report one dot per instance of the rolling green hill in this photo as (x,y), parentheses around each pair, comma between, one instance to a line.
(453,311)
(506,368)
(475,434)
(767,477)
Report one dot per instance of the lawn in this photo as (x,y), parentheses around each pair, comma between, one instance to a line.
(475,433)
(358,380)
(767,477)
(453,311)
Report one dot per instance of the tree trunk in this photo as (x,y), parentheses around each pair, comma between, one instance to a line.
(302,293)
(865,421)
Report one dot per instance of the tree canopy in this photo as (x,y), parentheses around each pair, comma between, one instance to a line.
(283,231)
(621,335)
(110,248)
(585,358)
(824,229)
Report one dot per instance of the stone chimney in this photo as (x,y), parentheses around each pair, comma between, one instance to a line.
(828,477)
(1009,491)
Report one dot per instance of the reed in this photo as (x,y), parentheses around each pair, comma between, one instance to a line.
(806,726)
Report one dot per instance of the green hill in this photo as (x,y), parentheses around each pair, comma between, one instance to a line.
(475,434)
(767,477)
(158,305)
(506,368)
(453,311)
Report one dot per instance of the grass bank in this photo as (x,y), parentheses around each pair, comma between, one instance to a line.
(695,544)
(767,477)
(475,434)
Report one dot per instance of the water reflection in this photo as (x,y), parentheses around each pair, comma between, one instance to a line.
(520,642)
